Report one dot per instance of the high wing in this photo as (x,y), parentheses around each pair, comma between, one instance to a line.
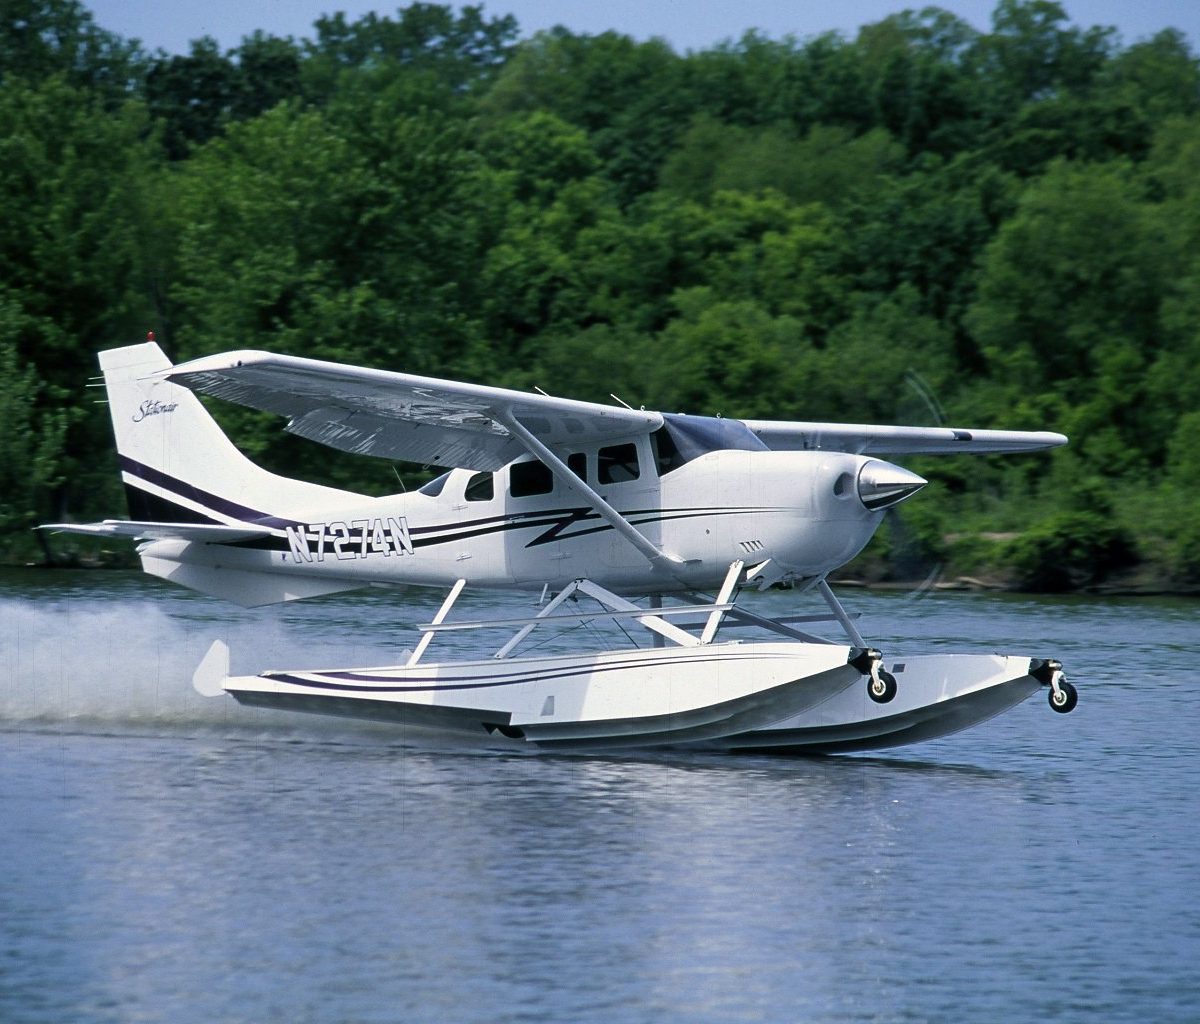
(403,416)
(873,439)
(471,426)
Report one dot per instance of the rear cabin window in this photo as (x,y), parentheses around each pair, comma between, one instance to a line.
(577,464)
(617,463)
(480,487)
(526,479)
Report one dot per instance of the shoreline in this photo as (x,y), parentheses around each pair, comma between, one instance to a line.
(965,585)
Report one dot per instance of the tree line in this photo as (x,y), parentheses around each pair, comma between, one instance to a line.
(924,223)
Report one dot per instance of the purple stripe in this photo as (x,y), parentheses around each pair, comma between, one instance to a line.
(213,502)
(460,682)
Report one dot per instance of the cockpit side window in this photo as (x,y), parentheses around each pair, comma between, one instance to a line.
(480,487)
(617,464)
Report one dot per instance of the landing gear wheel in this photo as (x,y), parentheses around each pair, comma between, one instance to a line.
(881,686)
(1064,699)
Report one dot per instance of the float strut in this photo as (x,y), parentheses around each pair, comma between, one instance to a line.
(442,613)
(839,613)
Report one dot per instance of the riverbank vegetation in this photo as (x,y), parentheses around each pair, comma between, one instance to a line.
(922,224)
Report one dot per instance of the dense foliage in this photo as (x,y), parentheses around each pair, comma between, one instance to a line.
(923,223)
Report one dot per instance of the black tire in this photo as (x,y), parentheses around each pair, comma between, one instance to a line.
(1065,698)
(881,687)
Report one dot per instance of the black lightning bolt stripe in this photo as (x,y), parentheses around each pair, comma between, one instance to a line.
(555,521)
(559,520)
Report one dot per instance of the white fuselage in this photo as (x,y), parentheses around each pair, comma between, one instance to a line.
(520,526)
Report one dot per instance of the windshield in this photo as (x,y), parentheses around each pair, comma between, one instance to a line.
(693,436)
(434,487)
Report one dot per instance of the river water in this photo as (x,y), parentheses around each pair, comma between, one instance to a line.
(167,857)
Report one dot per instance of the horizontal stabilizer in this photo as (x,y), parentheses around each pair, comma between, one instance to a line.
(140,530)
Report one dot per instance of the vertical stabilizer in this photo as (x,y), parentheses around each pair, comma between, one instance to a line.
(178,465)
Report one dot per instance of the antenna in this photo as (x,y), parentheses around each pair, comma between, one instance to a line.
(540,391)
(621,400)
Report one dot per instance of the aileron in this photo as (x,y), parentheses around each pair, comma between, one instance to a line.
(878,439)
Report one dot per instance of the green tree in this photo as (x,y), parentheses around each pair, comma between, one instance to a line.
(349,234)
(828,165)
(31,438)
(920,90)
(541,153)
(72,181)
(534,280)
(1033,53)
(461,50)
(722,357)
(753,81)
(627,96)
(78,245)
(268,72)
(1068,305)
(1159,77)
(928,229)
(1177,510)
(41,39)
(787,82)
(191,94)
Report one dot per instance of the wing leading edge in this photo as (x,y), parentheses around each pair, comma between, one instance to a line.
(400,415)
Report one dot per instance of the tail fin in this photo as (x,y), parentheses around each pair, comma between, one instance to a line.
(177,464)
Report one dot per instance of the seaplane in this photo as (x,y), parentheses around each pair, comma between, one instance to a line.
(661,522)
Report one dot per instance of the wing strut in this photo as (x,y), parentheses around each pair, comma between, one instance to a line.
(659,559)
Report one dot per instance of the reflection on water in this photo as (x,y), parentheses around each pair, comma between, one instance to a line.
(174,858)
